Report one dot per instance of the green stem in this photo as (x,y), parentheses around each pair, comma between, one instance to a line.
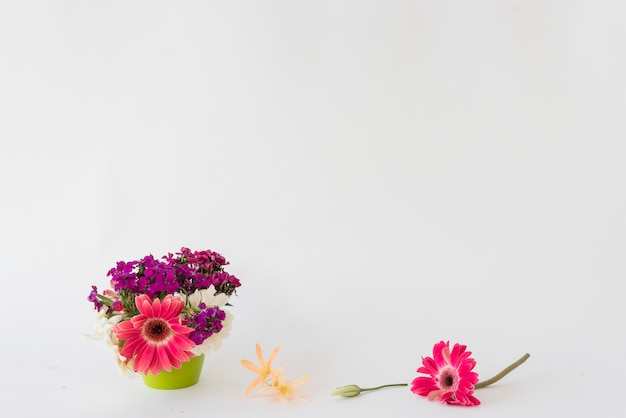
(485,383)
(384,386)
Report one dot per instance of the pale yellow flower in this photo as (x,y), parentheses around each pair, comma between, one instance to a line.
(288,389)
(264,370)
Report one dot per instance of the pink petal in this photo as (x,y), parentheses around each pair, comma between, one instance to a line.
(139,320)
(438,355)
(166,306)
(473,400)
(174,308)
(423,385)
(164,358)
(155,364)
(181,329)
(132,347)
(125,330)
(436,394)
(454,355)
(430,364)
(465,368)
(183,342)
(144,305)
(156,308)
(144,359)
(176,352)
(448,397)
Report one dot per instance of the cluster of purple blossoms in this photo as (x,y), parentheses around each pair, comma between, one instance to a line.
(205,323)
(201,269)
(146,276)
(182,273)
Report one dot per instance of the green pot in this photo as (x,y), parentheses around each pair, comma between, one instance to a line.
(187,375)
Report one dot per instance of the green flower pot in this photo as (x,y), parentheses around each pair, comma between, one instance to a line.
(187,375)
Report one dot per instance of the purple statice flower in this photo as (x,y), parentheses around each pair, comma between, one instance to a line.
(182,272)
(197,270)
(150,277)
(124,276)
(208,260)
(184,276)
(93,297)
(204,259)
(205,323)
(225,282)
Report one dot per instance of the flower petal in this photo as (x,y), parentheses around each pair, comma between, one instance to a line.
(248,365)
(436,394)
(143,359)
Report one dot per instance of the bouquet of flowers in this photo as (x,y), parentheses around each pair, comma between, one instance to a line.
(159,313)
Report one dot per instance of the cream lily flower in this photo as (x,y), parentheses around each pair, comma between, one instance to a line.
(209,298)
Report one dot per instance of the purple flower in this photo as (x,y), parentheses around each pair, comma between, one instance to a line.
(93,297)
(225,283)
(206,323)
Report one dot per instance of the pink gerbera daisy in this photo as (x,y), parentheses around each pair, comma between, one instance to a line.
(155,338)
(451,378)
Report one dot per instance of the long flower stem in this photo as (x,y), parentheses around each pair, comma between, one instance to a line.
(485,383)
(384,386)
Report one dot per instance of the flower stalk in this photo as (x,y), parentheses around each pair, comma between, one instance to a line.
(513,366)
(384,386)
(351,391)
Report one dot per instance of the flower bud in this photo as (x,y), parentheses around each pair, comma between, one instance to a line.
(347,391)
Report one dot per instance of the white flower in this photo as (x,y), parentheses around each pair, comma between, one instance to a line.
(209,298)
(104,330)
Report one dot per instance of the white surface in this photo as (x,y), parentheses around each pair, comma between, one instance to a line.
(381,175)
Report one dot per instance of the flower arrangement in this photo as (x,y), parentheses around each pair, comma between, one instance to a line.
(449,377)
(160,313)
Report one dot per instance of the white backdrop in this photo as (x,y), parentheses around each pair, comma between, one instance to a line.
(381,175)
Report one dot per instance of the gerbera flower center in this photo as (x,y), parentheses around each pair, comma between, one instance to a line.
(449,379)
(157,330)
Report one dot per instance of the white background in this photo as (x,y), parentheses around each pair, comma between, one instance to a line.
(380,175)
